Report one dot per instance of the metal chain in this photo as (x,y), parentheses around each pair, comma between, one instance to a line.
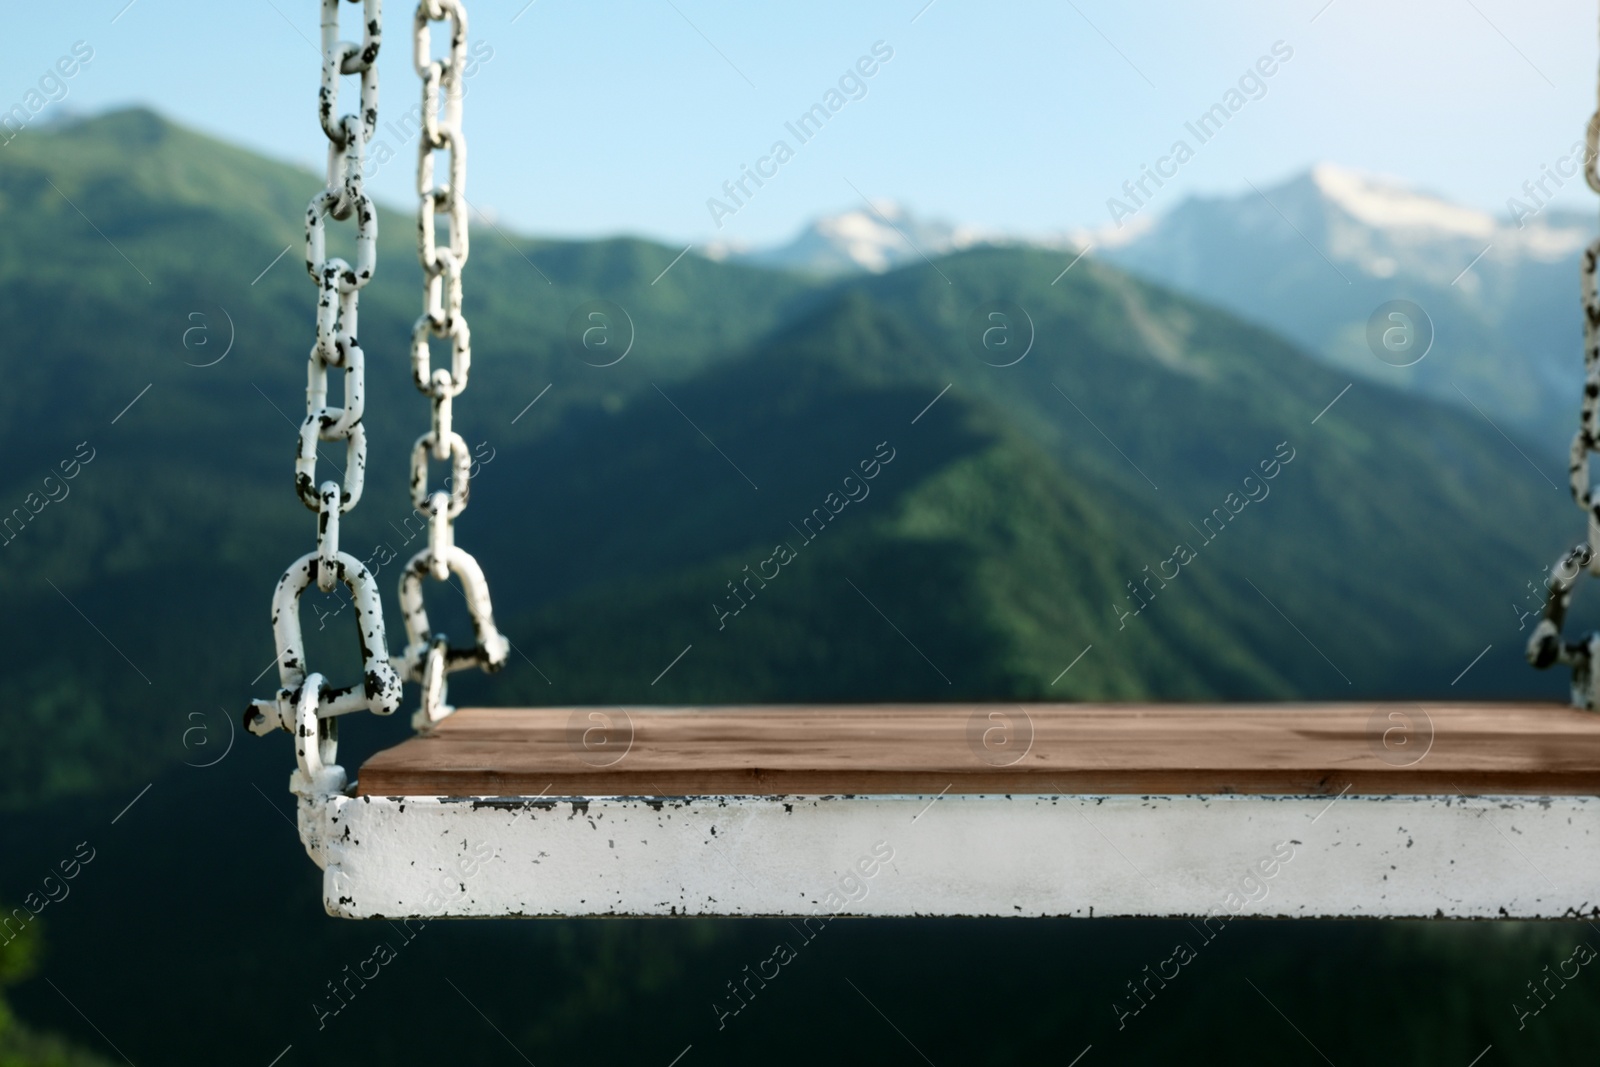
(300,698)
(428,656)
(1546,646)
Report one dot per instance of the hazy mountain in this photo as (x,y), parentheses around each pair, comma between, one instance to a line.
(1315,257)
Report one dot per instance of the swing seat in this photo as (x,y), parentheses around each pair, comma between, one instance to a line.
(958,809)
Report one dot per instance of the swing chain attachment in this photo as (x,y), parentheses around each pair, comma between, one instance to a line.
(380,689)
(301,694)
(428,656)
(1546,646)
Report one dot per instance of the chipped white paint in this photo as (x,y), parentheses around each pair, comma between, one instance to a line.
(1464,857)
(428,656)
(338,306)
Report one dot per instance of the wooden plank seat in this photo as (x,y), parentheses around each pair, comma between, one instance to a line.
(1298,749)
(1215,811)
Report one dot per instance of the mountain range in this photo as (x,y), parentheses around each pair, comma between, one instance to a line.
(1315,258)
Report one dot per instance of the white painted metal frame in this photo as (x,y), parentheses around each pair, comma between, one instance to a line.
(1357,856)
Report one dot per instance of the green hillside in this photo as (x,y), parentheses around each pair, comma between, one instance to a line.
(1026,499)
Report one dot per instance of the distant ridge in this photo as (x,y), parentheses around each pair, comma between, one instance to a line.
(1315,256)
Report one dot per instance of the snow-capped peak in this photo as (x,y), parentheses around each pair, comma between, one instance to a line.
(876,237)
(1388,203)
(1377,222)
(869,239)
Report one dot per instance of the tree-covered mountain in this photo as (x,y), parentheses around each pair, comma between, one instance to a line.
(134,254)
(1314,258)
(1023,504)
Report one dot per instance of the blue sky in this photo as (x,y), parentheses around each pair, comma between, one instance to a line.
(598,118)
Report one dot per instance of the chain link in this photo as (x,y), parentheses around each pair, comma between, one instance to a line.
(302,697)
(1546,647)
(428,657)
(305,704)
